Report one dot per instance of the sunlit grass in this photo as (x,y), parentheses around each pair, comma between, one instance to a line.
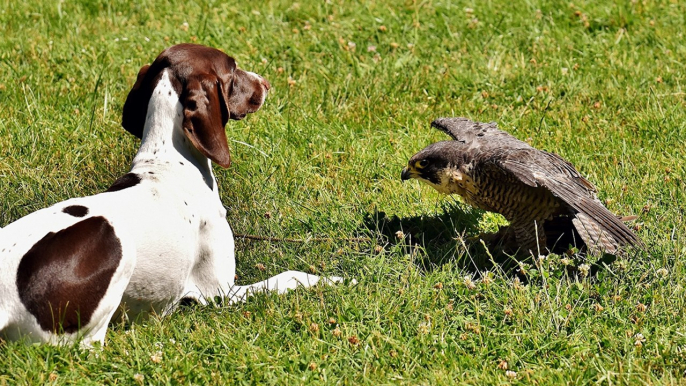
(355,86)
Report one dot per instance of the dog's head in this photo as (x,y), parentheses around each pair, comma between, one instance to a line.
(211,89)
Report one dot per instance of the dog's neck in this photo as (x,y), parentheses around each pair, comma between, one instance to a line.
(163,143)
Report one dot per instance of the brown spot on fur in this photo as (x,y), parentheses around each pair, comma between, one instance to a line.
(62,278)
(126,181)
(76,210)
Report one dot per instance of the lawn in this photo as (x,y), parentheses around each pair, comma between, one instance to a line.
(355,86)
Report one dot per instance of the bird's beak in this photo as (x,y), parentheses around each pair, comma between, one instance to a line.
(405,175)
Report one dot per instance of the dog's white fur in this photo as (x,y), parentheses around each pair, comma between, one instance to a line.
(176,243)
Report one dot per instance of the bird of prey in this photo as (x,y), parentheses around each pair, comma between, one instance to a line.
(494,171)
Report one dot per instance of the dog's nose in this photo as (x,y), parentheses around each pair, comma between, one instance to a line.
(265,83)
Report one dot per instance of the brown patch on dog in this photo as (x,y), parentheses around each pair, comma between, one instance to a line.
(211,89)
(76,210)
(62,278)
(126,181)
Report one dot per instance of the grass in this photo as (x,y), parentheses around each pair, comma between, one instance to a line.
(355,86)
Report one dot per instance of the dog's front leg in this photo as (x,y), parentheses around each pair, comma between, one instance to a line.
(281,283)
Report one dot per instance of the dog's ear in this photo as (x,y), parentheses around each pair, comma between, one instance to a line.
(205,115)
(136,106)
(227,79)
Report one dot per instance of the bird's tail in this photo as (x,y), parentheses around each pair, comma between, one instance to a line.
(602,231)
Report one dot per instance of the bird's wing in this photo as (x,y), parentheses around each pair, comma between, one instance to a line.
(548,170)
(540,168)
(463,129)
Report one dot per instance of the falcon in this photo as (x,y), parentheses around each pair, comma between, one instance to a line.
(492,170)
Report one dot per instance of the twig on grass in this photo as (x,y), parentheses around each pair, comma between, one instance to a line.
(240,236)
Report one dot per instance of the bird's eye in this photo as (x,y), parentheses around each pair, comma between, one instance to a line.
(422,164)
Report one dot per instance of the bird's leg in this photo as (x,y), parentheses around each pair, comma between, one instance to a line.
(503,237)
(530,236)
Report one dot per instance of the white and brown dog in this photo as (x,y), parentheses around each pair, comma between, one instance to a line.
(159,234)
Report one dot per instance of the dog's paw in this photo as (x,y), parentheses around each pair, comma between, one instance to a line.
(331,280)
(292,279)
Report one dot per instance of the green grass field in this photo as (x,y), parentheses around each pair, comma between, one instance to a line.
(355,87)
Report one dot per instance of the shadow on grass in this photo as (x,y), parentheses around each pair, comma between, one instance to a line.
(453,236)
(444,237)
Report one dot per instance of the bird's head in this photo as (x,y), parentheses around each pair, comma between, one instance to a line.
(438,165)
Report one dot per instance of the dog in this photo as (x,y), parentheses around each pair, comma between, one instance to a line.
(158,236)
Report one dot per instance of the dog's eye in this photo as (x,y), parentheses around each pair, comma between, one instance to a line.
(422,164)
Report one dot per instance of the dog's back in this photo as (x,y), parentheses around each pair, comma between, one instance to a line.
(64,270)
